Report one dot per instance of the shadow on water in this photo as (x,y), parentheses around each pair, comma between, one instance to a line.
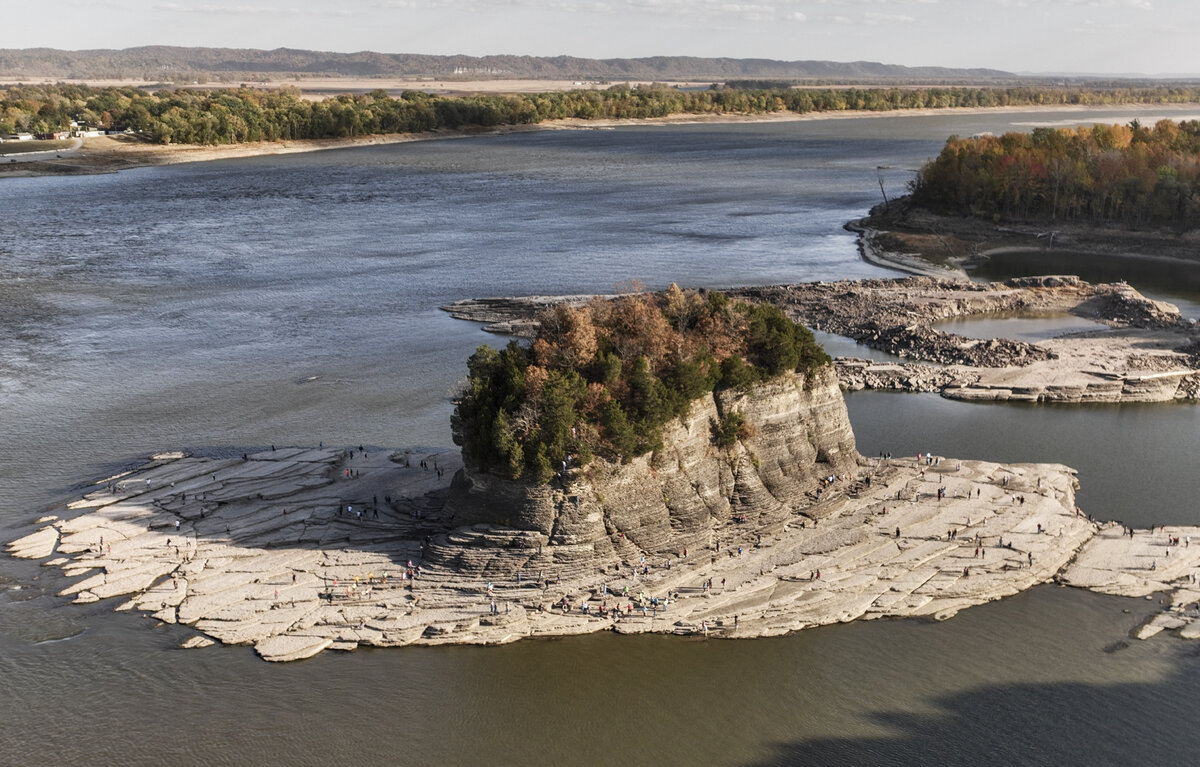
(1027,680)
(1024,724)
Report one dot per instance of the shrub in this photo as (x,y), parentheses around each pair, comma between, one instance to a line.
(605,378)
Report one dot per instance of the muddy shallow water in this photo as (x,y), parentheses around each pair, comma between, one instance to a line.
(292,300)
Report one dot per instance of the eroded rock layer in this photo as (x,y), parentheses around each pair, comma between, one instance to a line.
(796,437)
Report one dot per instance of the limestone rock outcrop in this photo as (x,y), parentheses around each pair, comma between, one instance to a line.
(298,551)
(796,435)
(1141,350)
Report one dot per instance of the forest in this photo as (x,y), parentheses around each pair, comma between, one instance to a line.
(238,115)
(603,379)
(1131,174)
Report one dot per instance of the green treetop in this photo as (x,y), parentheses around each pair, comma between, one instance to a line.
(606,377)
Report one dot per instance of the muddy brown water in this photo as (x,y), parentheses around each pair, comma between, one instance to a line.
(291,300)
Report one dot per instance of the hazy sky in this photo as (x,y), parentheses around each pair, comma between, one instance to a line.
(1124,36)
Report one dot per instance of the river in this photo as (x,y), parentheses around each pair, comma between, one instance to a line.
(293,299)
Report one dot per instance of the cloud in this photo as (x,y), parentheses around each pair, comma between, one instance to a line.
(249,10)
(1091,26)
(795,10)
(876,2)
(886,18)
(1141,5)
(750,10)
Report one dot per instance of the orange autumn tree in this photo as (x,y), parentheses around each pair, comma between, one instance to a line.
(1132,174)
(604,378)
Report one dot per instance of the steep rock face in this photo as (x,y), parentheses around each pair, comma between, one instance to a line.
(796,435)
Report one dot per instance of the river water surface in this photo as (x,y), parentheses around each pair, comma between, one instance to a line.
(291,300)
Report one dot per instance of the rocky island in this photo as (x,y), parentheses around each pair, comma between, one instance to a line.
(1129,190)
(742,511)
(1140,351)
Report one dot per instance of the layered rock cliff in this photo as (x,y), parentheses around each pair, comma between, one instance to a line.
(796,436)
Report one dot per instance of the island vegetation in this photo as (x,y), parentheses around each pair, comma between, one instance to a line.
(1131,174)
(604,378)
(240,115)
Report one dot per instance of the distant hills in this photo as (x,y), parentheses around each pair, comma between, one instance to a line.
(163,63)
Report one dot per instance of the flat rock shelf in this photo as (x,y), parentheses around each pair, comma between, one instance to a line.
(296,551)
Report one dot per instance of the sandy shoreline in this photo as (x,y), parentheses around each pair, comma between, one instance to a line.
(299,550)
(110,154)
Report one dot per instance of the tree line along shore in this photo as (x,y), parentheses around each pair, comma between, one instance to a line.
(1135,175)
(242,115)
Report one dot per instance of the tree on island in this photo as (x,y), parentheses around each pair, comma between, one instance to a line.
(604,378)
(1125,174)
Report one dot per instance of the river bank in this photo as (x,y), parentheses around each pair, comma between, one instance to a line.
(901,236)
(109,154)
